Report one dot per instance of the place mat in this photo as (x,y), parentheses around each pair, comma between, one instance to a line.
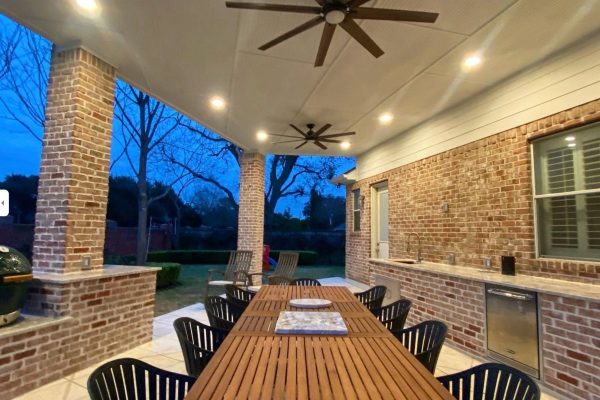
(310,303)
(310,323)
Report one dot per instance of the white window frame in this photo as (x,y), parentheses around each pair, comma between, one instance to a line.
(355,209)
(538,236)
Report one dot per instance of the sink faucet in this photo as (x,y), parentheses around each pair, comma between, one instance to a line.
(418,255)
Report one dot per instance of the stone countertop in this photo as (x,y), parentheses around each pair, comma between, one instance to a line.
(558,287)
(108,271)
(28,323)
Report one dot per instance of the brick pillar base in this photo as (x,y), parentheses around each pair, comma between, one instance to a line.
(73,186)
(251,219)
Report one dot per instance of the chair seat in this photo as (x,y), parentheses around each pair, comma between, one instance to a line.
(223,283)
(254,289)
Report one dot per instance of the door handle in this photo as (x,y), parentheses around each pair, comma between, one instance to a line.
(511,295)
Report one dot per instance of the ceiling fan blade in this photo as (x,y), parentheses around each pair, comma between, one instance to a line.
(298,130)
(329,140)
(323,129)
(361,37)
(273,7)
(302,144)
(290,136)
(337,135)
(326,37)
(321,2)
(320,145)
(299,29)
(288,141)
(394,15)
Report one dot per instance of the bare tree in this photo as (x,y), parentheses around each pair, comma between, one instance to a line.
(24,76)
(207,157)
(145,123)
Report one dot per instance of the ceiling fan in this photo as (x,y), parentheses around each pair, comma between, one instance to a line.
(334,13)
(316,137)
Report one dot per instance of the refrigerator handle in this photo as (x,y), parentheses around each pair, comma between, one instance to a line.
(511,295)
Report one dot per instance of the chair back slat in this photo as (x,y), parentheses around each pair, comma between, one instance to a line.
(239,296)
(286,264)
(198,343)
(279,280)
(305,282)
(491,381)
(239,263)
(127,378)
(394,315)
(222,314)
(372,298)
(424,341)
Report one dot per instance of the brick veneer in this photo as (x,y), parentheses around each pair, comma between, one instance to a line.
(487,184)
(251,218)
(109,315)
(460,303)
(571,346)
(73,188)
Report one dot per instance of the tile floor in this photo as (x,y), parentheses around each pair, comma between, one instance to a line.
(164,352)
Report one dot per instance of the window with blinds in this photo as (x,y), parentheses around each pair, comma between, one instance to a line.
(567,194)
(356,210)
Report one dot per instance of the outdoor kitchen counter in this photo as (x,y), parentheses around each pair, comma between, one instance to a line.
(558,287)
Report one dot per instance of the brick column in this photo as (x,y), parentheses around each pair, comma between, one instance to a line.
(251,218)
(73,186)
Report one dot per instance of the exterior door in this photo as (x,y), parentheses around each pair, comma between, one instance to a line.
(382,247)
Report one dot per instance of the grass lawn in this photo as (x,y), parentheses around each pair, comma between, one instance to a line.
(193,283)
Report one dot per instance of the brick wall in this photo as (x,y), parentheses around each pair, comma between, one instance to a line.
(571,346)
(251,217)
(73,188)
(487,184)
(109,315)
(460,303)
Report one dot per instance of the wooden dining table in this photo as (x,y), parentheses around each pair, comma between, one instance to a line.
(368,363)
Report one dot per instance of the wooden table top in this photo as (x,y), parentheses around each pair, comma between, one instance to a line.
(369,363)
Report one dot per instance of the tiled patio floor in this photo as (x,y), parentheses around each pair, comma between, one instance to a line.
(164,352)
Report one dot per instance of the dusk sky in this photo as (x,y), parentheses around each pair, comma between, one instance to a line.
(20,151)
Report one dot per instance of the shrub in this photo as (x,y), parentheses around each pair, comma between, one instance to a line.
(217,256)
(305,257)
(168,274)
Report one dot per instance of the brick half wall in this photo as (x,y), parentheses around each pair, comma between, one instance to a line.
(107,316)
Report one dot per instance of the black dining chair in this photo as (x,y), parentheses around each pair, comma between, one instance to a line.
(372,298)
(222,313)
(279,280)
(128,378)
(198,343)
(394,315)
(238,296)
(491,381)
(305,282)
(424,341)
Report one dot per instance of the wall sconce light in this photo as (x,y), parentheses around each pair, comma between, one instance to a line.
(362,201)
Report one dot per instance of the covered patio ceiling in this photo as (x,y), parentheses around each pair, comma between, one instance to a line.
(184,52)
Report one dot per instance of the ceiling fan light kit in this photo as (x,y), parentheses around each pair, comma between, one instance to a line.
(337,13)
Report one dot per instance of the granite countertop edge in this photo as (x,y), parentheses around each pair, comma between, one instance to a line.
(559,287)
(108,271)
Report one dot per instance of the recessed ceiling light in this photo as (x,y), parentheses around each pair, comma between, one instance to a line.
(345,145)
(385,118)
(262,135)
(88,5)
(570,138)
(471,62)
(217,103)
(571,145)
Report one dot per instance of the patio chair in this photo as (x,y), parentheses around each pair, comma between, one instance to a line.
(491,381)
(128,378)
(222,313)
(286,267)
(279,280)
(424,341)
(372,298)
(393,316)
(198,343)
(239,296)
(239,264)
(305,282)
